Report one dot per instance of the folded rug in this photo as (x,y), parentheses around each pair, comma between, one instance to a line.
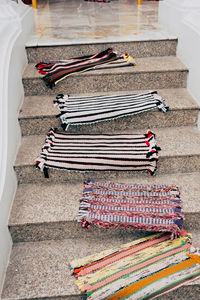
(145,268)
(56,71)
(128,152)
(88,110)
(138,207)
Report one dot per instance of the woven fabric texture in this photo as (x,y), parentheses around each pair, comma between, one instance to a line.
(138,207)
(87,110)
(145,268)
(131,152)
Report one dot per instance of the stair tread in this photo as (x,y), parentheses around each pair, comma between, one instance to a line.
(43,203)
(42,106)
(169,139)
(145,64)
(40,269)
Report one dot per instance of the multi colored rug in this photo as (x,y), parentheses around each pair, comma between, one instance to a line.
(88,110)
(56,71)
(138,207)
(143,269)
(128,152)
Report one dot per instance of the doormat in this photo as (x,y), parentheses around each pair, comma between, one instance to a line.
(88,110)
(55,71)
(145,268)
(119,152)
(136,207)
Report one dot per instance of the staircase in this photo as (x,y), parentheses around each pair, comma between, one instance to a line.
(43,223)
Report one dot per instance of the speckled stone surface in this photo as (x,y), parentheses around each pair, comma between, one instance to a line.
(176,156)
(149,73)
(49,211)
(134,48)
(40,269)
(38,114)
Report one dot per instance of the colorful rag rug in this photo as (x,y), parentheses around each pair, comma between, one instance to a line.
(128,152)
(138,207)
(56,71)
(143,269)
(87,110)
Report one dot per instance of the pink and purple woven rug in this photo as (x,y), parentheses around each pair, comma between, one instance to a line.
(138,207)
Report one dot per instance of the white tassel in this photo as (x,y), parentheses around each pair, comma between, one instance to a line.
(157,97)
(175,193)
(67,127)
(66,97)
(41,164)
(45,151)
(82,215)
(152,143)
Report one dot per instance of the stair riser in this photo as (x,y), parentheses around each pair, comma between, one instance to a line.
(184,293)
(136,49)
(73,229)
(153,119)
(166,165)
(82,83)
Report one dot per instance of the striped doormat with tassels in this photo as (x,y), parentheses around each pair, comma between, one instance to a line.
(119,152)
(143,269)
(55,71)
(88,110)
(135,207)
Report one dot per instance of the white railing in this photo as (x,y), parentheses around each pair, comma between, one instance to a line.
(182,18)
(15,22)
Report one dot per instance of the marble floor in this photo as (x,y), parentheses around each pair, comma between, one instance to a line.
(77,21)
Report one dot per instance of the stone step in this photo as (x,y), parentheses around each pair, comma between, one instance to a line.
(149,73)
(180,153)
(40,270)
(38,114)
(49,211)
(165,47)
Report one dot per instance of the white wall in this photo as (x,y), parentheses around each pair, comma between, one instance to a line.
(182,18)
(16,21)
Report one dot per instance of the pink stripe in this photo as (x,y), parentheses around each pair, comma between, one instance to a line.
(116,276)
(121,255)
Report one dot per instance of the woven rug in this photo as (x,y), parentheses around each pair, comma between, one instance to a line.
(87,110)
(55,71)
(138,207)
(130,152)
(143,269)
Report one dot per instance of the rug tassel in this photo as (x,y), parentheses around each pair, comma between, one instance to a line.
(46,173)
(149,154)
(40,164)
(65,126)
(60,96)
(85,224)
(162,105)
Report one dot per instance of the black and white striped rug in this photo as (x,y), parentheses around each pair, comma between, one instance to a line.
(119,152)
(88,110)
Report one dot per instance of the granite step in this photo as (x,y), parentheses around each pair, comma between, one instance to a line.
(40,270)
(180,153)
(149,73)
(164,47)
(38,114)
(49,211)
